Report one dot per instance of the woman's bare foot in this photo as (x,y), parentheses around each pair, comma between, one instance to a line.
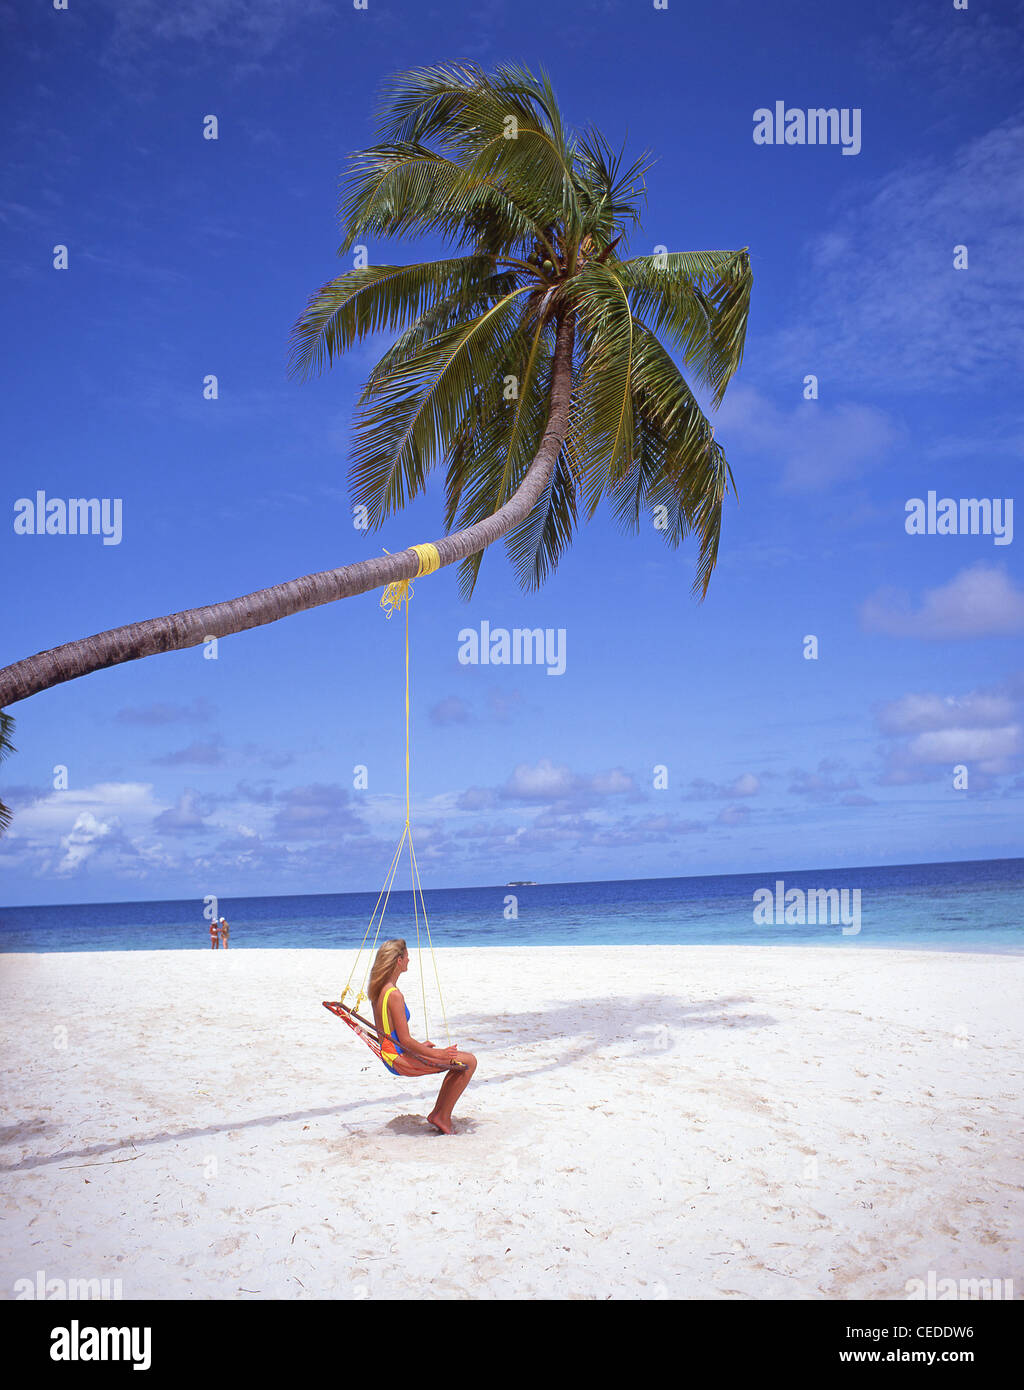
(439,1122)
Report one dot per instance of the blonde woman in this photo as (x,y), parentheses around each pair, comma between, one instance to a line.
(400,1052)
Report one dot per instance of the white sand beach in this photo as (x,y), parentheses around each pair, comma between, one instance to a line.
(645,1122)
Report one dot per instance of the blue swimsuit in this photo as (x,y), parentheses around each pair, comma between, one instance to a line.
(391,1049)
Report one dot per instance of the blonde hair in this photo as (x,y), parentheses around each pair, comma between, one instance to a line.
(384,962)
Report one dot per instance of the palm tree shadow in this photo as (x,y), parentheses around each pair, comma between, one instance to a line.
(10,1133)
(646,1024)
(587,1026)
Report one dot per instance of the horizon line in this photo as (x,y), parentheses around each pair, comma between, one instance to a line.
(554,883)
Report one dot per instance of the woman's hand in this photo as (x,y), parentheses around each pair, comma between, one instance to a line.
(439,1054)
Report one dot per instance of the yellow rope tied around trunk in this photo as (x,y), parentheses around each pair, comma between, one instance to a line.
(394,596)
(401,590)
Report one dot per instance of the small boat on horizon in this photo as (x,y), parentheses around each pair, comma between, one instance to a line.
(521,883)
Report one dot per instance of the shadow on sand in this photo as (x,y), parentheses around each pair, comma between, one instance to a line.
(646,1023)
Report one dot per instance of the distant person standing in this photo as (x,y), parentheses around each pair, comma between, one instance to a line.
(214,935)
(224,932)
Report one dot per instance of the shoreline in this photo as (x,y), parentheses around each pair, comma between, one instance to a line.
(646,1122)
(923,947)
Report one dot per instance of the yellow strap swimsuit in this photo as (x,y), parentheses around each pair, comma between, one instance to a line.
(390,1049)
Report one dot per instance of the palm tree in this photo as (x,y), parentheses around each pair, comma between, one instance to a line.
(6,749)
(536,364)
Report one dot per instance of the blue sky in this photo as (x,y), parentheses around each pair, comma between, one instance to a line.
(188,776)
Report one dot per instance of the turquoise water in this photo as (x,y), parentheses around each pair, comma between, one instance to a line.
(971,906)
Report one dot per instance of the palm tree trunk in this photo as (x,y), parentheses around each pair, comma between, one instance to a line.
(194,626)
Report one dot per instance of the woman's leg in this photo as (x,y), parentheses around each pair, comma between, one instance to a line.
(451,1088)
(412,1066)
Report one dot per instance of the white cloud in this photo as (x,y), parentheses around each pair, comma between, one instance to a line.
(883,304)
(609,783)
(452,710)
(950,746)
(747,785)
(702,790)
(950,56)
(256,27)
(547,781)
(186,815)
(822,786)
(978,602)
(54,814)
(814,445)
(82,841)
(980,730)
(112,822)
(919,713)
(544,782)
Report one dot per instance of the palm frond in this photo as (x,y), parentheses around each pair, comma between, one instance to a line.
(680,467)
(606,327)
(495,447)
(536,546)
(448,313)
(6,749)
(375,299)
(608,197)
(469,113)
(407,188)
(700,300)
(415,410)
(457,104)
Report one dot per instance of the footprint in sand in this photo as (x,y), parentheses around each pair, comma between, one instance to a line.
(228,1246)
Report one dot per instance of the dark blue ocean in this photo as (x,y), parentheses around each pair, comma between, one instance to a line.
(973,906)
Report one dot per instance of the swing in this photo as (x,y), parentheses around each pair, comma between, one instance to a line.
(394,596)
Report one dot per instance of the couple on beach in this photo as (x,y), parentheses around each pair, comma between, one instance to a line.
(400,1052)
(219,934)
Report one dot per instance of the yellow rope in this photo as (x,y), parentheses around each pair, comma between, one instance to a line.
(401,590)
(419,947)
(423,905)
(397,593)
(386,894)
(373,914)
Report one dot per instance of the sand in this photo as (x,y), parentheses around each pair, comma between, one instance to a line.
(645,1123)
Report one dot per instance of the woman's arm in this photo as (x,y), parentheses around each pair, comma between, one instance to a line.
(406,1041)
